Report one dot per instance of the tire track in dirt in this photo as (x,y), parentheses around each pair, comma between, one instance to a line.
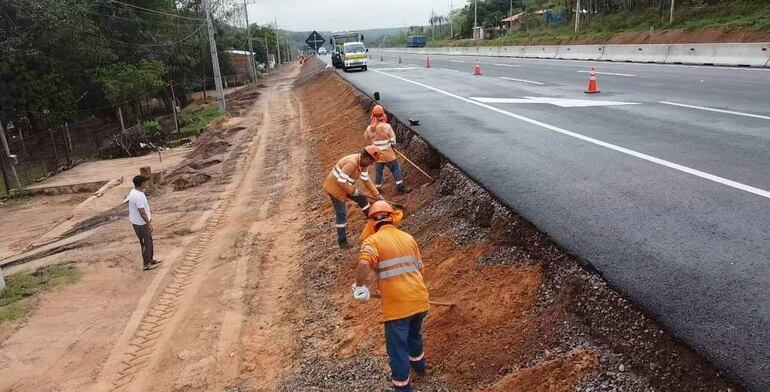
(268,341)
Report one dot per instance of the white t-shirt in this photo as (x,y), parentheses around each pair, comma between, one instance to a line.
(136,200)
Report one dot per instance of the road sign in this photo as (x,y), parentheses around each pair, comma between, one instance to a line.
(315,40)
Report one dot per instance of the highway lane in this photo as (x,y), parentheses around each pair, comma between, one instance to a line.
(670,203)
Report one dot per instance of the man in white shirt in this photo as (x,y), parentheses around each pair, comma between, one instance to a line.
(141,218)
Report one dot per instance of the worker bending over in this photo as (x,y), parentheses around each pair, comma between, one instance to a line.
(381,134)
(394,257)
(340,185)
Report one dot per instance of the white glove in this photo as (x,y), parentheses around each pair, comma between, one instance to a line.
(361,293)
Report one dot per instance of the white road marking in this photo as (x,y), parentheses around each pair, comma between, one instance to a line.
(609,73)
(456,61)
(449,69)
(717,110)
(507,65)
(519,80)
(396,69)
(623,150)
(561,102)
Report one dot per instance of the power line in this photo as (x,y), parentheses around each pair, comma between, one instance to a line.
(138,97)
(136,44)
(156,11)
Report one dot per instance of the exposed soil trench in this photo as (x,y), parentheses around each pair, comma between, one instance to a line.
(529,318)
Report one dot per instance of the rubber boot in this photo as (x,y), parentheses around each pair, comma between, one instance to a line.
(342,238)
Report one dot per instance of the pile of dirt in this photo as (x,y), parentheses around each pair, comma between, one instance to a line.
(210,149)
(528,316)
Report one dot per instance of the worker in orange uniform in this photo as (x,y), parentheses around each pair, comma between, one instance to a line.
(381,134)
(340,185)
(394,257)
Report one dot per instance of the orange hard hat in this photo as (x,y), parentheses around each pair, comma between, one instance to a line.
(380,206)
(377,110)
(373,151)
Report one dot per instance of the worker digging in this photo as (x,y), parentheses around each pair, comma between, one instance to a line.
(340,185)
(381,134)
(394,257)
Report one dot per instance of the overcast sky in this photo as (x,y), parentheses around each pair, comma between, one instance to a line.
(305,15)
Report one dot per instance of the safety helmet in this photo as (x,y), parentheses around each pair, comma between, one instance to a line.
(380,206)
(377,111)
(373,151)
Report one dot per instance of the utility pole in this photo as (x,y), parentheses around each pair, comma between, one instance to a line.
(451,22)
(475,16)
(215,59)
(10,157)
(173,104)
(277,42)
(671,18)
(252,68)
(577,16)
(267,51)
(510,14)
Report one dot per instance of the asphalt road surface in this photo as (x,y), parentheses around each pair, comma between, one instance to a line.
(661,181)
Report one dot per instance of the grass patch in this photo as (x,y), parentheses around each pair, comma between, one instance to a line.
(194,121)
(20,287)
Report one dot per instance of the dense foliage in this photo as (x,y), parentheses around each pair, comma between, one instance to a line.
(70,59)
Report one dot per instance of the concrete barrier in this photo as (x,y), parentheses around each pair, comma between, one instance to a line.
(749,55)
(580,52)
(752,55)
(636,53)
(541,52)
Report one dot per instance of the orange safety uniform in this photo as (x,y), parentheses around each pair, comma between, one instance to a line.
(341,181)
(395,257)
(382,137)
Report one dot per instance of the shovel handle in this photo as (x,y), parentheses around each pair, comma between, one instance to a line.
(434,303)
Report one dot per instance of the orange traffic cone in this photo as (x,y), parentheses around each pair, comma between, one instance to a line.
(477,69)
(399,59)
(428,63)
(592,87)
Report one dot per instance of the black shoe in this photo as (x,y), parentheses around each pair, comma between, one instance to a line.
(157,261)
(150,266)
(343,244)
(403,190)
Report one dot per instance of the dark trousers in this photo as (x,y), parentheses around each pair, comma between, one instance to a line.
(341,214)
(403,339)
(145,240)
(394,168)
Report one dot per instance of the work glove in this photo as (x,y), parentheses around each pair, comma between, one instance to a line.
(361,293)
(356,192)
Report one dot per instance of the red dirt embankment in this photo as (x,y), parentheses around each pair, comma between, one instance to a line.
(528,317)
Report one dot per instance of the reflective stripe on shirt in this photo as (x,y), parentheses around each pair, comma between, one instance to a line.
(408,264)
(395,261)
(341,176)
(382,144)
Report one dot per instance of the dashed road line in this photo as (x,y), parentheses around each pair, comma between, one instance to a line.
(507,65)
(759,116)
(520,80)
(609,73)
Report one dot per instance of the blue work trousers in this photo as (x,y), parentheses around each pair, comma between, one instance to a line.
(403,339)
(394,168)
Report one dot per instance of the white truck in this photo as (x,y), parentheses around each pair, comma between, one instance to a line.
(353,56)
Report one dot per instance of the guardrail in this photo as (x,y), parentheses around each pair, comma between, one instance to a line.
(742,55)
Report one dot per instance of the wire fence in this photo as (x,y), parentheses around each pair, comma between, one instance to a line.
(36,155)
